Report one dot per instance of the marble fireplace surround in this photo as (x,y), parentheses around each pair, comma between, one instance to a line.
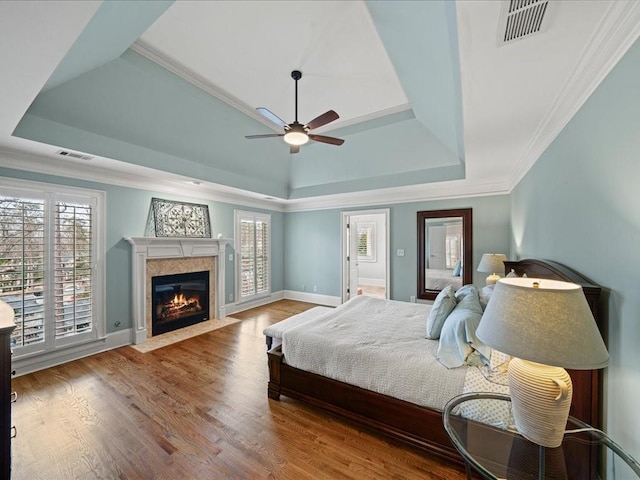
(160,256)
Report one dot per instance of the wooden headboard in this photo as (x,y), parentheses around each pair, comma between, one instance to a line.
(586,406)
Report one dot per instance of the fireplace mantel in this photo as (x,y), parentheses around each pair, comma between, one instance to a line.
(144,248)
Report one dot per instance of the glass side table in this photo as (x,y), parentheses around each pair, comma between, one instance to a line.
(493,447)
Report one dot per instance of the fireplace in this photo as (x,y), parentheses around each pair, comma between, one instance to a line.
(179,300)
(152,257)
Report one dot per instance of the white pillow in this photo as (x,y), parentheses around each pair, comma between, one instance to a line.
(442,307)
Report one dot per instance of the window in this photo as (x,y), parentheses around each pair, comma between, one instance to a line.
(253,245)
(49,269)
(366,242)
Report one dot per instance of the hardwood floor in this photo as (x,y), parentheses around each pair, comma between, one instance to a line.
(197,409)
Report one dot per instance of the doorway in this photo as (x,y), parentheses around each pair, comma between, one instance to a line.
(365,253)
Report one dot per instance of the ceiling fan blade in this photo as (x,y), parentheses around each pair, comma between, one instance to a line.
(266,135)
(324,139)
(268,114)
(294,148)
(323,119)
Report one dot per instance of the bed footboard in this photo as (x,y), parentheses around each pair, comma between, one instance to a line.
(419,426)
(275,358)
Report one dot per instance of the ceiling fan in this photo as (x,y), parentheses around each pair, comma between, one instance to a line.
(296,134)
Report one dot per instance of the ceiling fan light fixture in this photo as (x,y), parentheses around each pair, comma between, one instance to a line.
(296,133)
(296,138)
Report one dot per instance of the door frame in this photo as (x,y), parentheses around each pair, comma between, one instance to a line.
(345,264)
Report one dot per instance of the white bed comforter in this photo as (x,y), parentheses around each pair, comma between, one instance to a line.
(378,345)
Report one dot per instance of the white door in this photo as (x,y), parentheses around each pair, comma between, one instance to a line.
(436,247)
(355,272)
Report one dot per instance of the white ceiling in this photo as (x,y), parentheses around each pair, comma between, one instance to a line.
(333,43)
(383,66)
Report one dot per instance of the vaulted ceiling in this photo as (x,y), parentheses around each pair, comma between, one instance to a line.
(432,103)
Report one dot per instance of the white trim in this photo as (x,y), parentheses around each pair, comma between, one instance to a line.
(372,244)
(259,302)
(343,262)
(146,50)
(135,176)
(33,363)
(615,34)
(143,48)
(143,248)
(238,216)
(52,193)
(121,174)
(405,194)
(316,298)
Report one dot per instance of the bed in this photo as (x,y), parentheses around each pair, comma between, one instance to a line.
(421,425)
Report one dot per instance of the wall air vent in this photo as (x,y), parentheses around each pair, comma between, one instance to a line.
(67,153)
(522,18)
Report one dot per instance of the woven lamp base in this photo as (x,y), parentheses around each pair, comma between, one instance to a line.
(541,397)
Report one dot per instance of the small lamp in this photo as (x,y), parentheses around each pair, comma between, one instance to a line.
(547,326)
(492,263)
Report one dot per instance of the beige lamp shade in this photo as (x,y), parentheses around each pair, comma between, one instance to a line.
(548,326)
(550,323)
(493,264)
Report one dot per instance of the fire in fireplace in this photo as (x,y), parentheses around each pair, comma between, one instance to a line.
(179,300)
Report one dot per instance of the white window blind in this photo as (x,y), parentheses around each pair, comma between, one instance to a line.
(366,242)
(48,266)
(73,269)
(253,246)
(22,266)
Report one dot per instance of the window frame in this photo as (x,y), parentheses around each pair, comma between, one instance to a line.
(370,227)
(50,194)
(239,217)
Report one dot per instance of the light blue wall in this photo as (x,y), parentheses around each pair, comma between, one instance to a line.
(313,243)
(580,205)
(127,210)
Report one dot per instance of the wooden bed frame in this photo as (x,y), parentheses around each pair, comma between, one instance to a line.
(422,426)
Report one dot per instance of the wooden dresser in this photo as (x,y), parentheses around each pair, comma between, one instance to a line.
(6,327)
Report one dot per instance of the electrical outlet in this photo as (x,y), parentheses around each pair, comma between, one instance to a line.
(231,297)
(315,288)
(412,299)
(231,257)
(400,252)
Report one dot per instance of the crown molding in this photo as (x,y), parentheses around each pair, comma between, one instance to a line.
(134,176)
(142,48)
(144,178)
(414,193)
(614,35)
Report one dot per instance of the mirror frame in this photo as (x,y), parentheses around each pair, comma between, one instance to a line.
(467,254)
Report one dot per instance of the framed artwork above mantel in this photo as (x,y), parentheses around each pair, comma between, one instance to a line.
(169,218)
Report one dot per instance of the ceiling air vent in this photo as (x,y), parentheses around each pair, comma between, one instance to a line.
(521,18)
(66,153)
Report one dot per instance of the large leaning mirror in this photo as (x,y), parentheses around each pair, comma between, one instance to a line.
(444,250)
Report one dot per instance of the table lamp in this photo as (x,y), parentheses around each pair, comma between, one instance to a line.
(492,263)
(547,326)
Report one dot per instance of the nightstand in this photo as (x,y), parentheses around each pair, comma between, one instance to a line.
(498,451)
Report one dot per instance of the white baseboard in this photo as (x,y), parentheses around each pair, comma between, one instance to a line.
(313,298)
(30,364)
(232,308)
